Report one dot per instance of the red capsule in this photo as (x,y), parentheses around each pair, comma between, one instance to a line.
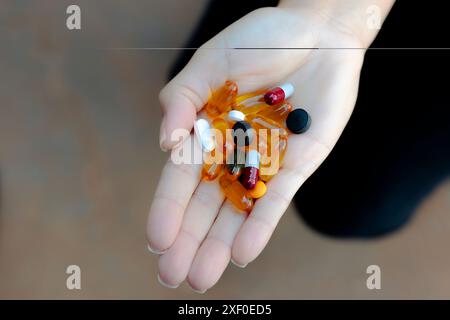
(249,177)
(278,94)
(250,174)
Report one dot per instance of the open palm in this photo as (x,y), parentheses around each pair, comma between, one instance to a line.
(190,224)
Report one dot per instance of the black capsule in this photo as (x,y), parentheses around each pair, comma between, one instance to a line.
(238,163)
(243,133)
(298,121)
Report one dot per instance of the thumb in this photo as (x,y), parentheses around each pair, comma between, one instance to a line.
(186,94)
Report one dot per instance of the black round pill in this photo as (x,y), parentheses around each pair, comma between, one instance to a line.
(298,121)
(243,133)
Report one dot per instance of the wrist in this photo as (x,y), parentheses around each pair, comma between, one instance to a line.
(361,19)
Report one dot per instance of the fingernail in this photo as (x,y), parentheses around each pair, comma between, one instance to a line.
(163,135)
(199,291)
(238,265)
(154,251)
(165,284)
(195,290)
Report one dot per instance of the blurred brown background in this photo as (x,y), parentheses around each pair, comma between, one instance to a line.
(79,161)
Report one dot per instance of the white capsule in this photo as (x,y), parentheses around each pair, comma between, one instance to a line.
(209,145)
(202,131)
(236,115)
(288,89)
(252,159)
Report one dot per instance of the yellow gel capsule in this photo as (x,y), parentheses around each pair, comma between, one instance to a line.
(222,100)
(236,193)
(222,125)
(251,108)
(265,177)
(258,121)
(211,171)
(278,112)
(250,95)
(234,174)
(213,165)
(251,102)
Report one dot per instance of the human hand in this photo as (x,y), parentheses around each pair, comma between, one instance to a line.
(189,223)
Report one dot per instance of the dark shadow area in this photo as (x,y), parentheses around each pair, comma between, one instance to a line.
(396,147)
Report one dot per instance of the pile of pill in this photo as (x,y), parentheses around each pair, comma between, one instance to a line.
(243,136)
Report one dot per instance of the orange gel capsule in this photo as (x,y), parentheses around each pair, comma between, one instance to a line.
(222,125)
(265,177)
(258,121)
(224,128)
(233,175)
(278,112)
(213,165)
(236,193)
(211,171)
(261,123)
(252,108)
(251,103)
(250,95)
(222,100)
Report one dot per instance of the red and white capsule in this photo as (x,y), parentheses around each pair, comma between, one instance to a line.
(278,94)
(250,173)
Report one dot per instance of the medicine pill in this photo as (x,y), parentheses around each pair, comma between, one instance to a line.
(222,126)
(258,122)
(203,134)
(277,112)
(211,171)
(252,108)
(259,94)
(236,163)
(234,171)
(213,164)
(236,193)
(252,102)
(298,121)
(250,173)
(222,100)
(257,154)
(236,115)
(243,133)
(278,94)
(258,191)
